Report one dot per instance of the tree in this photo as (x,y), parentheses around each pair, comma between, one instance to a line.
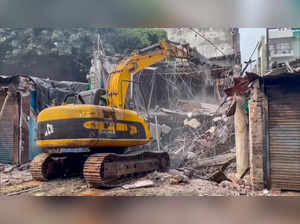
(65,54)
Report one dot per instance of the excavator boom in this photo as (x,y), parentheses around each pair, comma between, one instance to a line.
(120,78)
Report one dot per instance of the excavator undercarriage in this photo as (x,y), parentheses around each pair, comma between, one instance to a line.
(98,169)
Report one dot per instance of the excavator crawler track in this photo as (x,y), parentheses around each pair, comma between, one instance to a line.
(109,170)
(39,167)
(47,166)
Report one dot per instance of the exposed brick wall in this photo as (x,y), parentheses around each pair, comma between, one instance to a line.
(256,133)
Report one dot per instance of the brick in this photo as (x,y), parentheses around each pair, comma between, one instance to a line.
(256,138)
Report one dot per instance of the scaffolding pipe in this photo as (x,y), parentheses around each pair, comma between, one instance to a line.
(131,86)
(156,132)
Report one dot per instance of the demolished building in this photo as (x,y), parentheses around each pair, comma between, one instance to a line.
(182,99)
(21,99)
(176,79)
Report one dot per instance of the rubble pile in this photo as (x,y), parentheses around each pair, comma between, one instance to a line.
(12,174)
(197,131)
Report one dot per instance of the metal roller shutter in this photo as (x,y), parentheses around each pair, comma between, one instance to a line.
(284,138)
(7,131)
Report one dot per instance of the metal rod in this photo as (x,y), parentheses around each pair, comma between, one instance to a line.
(122,91)
(131,85)
(4,104)
(250,61)
(156,132)
(20,130)
(151,91)
(268,49)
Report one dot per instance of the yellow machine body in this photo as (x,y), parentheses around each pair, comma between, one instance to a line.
(74,126)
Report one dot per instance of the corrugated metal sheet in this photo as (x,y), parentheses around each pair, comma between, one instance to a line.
(284,135)
(7,138)
(6,142)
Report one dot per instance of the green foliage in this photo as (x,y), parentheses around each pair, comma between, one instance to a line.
(125,40)
(77,43)
(129,40)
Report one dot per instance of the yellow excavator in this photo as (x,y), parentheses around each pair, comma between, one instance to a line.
(101,123)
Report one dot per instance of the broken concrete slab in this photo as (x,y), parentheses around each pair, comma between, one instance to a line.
(216,119)
(191,155)
(225,184)
(139,184)
(218,177)
(177,177)
(25,166)
(162,130)
(211,130)
(220,160)
(194,123)
(8,169)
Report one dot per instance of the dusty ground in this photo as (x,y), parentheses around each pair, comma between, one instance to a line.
(164,185)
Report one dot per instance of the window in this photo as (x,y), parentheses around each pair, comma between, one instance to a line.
(283,48)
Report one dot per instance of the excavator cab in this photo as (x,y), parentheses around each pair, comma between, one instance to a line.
(91,97)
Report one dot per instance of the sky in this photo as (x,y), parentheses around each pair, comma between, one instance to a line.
(248,40)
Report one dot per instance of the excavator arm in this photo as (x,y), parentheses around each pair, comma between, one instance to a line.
(105,130)
(120,78)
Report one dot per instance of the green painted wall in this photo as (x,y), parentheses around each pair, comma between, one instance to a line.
(296,42)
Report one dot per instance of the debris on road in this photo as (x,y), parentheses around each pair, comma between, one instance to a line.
(199,133)
(218,177)
(12,174)
(139,184)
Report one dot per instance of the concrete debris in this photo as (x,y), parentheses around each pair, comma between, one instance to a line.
(195,107)
(8,169)
(173,177)
(220,160)
(175,172)
(225,184)
(206,134)
(25,166)
(177,113)
(194,123)
(218,177)
(162,130)
(216,119)
(165,129)
(158,177)
(11,174)
(179,180)
(178,177)
(139,184)
(211,130)
(191,155)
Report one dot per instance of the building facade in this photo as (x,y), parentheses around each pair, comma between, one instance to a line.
(220,45)
(281,46)
(274,132)
(284,46)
